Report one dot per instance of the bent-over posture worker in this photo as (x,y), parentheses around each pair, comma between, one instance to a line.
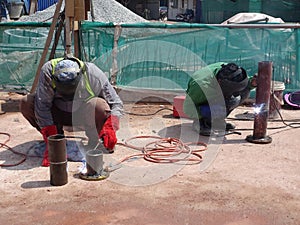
(207,105)
(74,93)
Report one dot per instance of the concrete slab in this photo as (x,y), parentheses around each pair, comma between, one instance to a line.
(237,182)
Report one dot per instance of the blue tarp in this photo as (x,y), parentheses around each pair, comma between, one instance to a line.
(44,4)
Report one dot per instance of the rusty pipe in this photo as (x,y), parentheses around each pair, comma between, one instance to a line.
(261,112)
(58,160)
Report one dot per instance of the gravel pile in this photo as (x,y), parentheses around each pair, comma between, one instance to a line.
(104,11)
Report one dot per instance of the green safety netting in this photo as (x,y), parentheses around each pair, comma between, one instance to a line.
(153,55)
(218,11)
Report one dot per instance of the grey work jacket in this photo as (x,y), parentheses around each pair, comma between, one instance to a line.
(46,95)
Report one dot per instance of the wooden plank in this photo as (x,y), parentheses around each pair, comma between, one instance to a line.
(33,7)
(57,35)
(47,44)
(76,39)
(68,28)
(87,7)
(79,10)
(70,4)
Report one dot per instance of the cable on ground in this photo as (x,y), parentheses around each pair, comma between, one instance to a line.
(148,114)
(4,144)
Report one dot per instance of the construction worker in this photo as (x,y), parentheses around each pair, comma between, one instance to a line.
(213,92)
(74,93)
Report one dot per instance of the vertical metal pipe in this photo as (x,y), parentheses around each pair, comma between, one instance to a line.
(263,91)
(58,160)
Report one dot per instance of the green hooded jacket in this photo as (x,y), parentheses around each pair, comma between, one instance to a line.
(204,88)
(202,85)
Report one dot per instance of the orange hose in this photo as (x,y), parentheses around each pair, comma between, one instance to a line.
(165,149)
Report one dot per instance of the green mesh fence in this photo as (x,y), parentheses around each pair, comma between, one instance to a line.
(154,55)
(215,12)
(21,47)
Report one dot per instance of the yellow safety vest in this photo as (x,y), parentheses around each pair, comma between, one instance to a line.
(54,62)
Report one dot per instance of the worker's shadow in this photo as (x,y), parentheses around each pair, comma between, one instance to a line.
(23,157)
(36,184)
(186,134)
(30,154)
(20,157)
(183,131)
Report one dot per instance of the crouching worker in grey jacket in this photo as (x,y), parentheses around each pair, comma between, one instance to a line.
(74,93)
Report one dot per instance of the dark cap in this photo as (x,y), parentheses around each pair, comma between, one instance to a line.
(232,79)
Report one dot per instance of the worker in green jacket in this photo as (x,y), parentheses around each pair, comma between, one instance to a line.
(213,92)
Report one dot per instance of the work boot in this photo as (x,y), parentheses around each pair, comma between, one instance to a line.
(202,127)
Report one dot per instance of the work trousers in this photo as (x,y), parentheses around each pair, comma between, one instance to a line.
(90,116)
(218,112)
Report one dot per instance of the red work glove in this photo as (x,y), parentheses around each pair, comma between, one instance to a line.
(46,132)
(108,132)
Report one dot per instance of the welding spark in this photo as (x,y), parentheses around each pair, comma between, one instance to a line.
(259,108)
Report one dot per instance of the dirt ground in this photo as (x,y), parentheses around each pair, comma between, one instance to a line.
(237,182)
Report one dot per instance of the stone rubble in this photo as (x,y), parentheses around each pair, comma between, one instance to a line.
(104,11)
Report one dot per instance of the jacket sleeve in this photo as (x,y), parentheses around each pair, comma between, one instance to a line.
(112,98)
(44,97)
(102,88)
